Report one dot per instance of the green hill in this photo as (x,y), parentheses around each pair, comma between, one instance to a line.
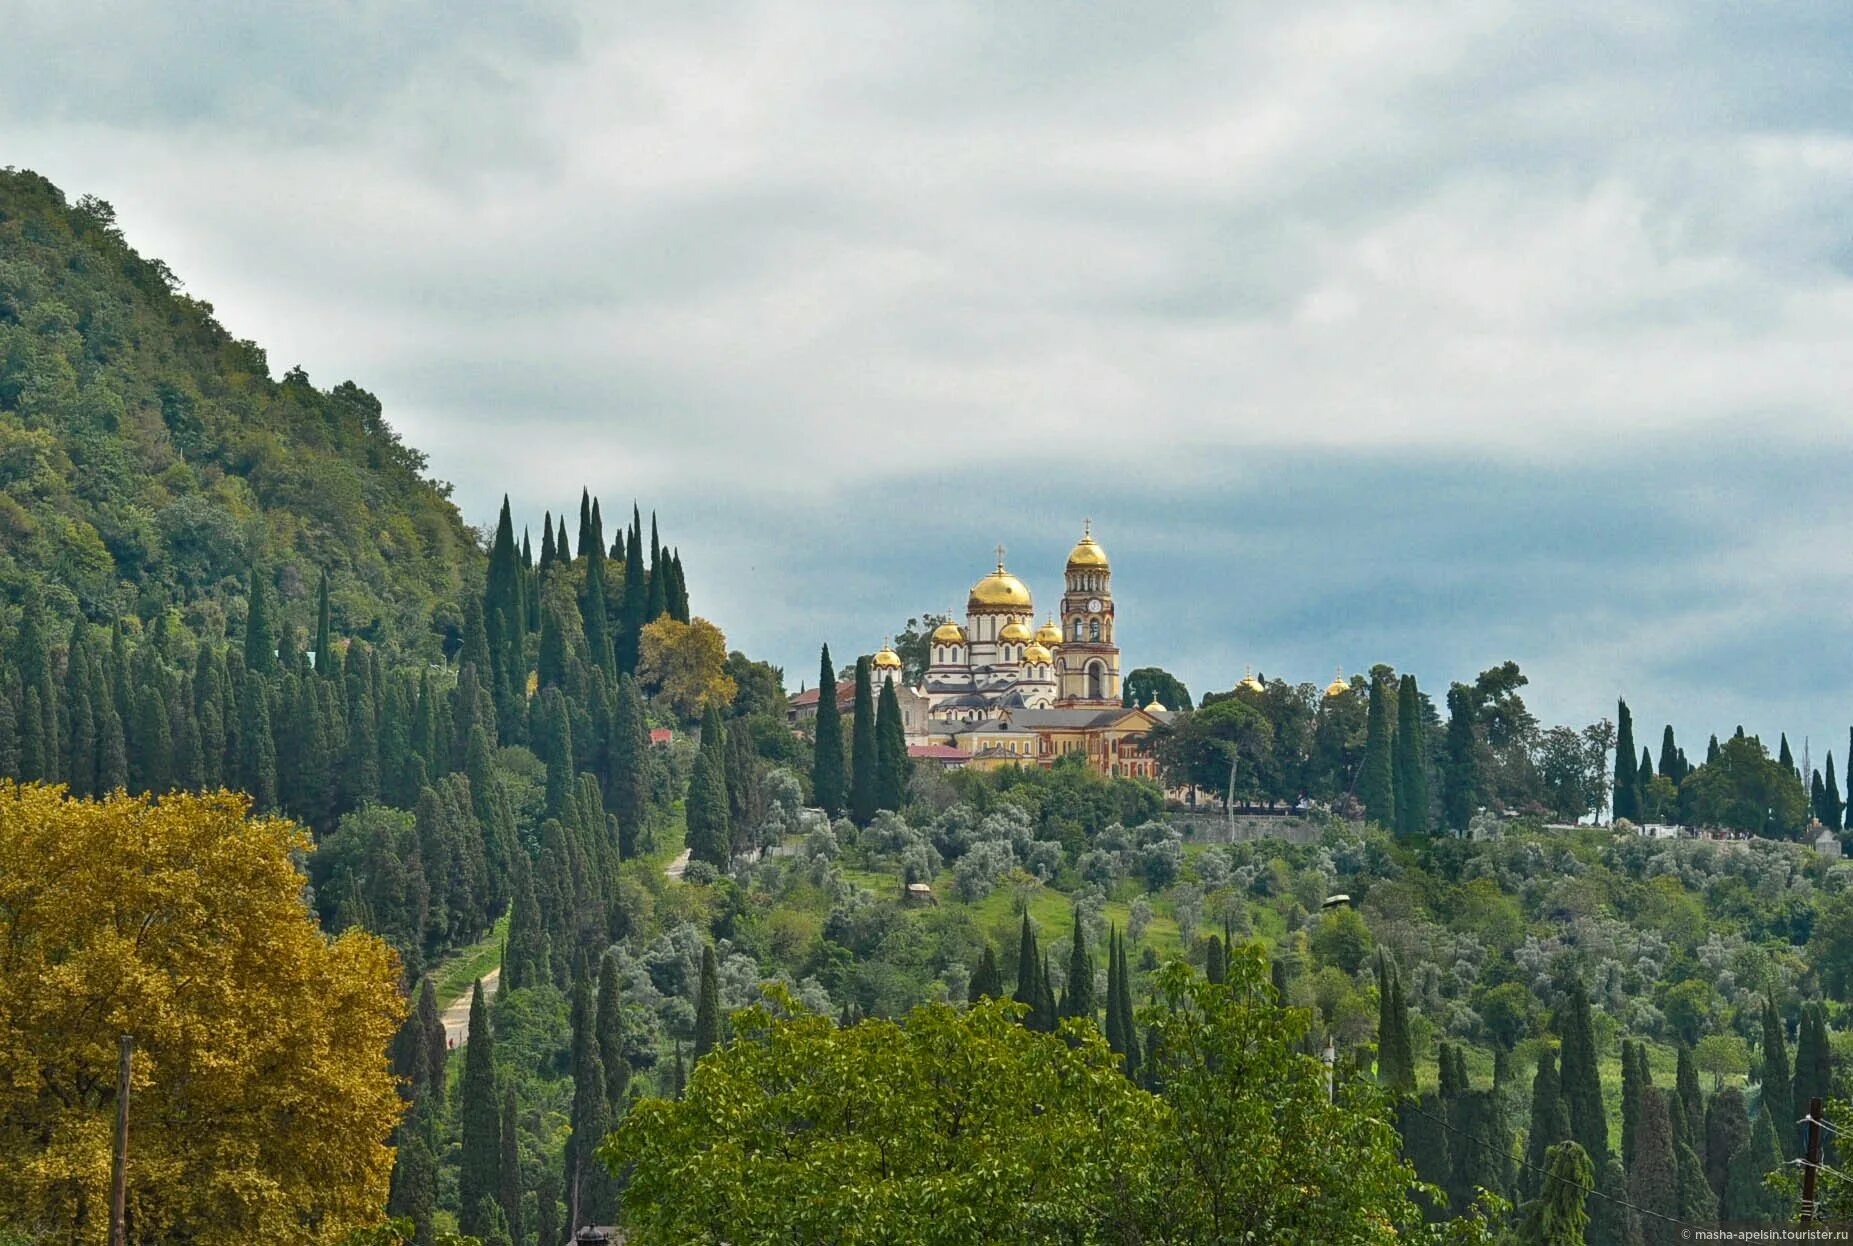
(148,459)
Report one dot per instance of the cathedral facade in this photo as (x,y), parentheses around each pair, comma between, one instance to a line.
(1000,659)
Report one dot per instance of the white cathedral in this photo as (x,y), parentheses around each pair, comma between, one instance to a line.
(1000,660)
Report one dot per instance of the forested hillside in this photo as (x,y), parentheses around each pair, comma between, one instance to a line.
(148,460)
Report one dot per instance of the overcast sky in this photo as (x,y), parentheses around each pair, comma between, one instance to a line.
(1433,334)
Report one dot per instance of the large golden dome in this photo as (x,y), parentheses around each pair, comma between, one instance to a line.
(999,591)
(948,633)
(1250,683)
(1338,687)
(1087,552)
(888,659)
(1015,634)
(1037,655)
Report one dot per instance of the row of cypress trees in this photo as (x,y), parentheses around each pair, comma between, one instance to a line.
(876,775)
(1393,779)
(1684,1159)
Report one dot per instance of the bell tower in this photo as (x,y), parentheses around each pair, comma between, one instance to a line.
(1087,665)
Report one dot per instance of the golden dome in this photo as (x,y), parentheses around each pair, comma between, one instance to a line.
(999,591)
(1049,634)
(1156,707)
(1250,683)
(1037,654)
(1338,687)
(888,659)
(1016,634)
(948,633)
(1087,552)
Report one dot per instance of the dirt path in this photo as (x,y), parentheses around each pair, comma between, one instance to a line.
(678,867)
(457,1012)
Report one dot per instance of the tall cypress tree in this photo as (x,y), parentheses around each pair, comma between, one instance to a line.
(1778,1102)
(1129,1027)
(1029,958)
(707,1005)
(1746,1198)
(325,665)
(1215,965)
(589,1196)
(479,1174)
(1078,1000)
(1669,757)
(710,833)
(1460,776)
(1560,1213)
(1626,801)
(1377,778)
(1832,808)
(827,761)
(891,764)
(1581,1076)
(260,641)
(862,785)
(1814,1065)
(1727,1128)
(1653,1177)
(986,982)
(1632,1095)
(527,959)
(610,1032)
(508,1193)
(1549,1124)
(1116,1039)
(635,602)
(1410,762)
(629,768)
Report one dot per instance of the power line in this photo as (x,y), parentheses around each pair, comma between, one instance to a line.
(1522,1163)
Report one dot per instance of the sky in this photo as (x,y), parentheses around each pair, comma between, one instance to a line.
(1433,334)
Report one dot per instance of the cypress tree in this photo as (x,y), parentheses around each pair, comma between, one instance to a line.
(1215,966)
(610,1030)
(1787,758)
(479,1175)
(1653,1177)
(1460,776)
(260,642)
(435,1042)
(1549,1123)
(1581,1077)
(1078,1000)
(414,1194)
(259,770)
(325,665)
(1377,778)
(1669,757)
(986,981)
(1116,1039)
(629,771)
(1698,1204)
(508,1194)
(1560,1213)
(1632,1095)
(546,542)
(707,1005)
(1727,1127)
(1395,1050)
(588,1186)
(710,838)
(656,602)
(1047,1014)
(1410,768)
(1129,1029)
(562,544)
(862,788)
(1746,1198)
(891,764)
(1426,1142)
(1611,1219)
(1626,801)
(1691,1098)
(1778,1102)
(827,762)
(527,958)
(635,601)
(1028,958)
(1832,806)
(1814,1065)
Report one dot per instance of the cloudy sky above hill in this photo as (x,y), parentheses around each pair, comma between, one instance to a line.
(1425,333)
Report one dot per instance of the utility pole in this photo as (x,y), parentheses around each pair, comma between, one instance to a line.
(119,1162)
(1812,1165)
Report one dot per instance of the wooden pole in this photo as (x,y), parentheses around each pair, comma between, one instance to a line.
(119,1162)
(1812,1164)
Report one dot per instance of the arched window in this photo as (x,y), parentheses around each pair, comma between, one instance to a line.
(1096,681)
(1093,629)
(1077,629)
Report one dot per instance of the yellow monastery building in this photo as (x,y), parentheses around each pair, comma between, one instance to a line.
(1002,690)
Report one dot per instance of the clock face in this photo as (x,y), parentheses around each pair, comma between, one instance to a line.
(1093,604)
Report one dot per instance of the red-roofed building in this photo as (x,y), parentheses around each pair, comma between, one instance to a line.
(661,735)
(940,755)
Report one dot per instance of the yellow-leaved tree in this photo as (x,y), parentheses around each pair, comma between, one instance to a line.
(686,665)
(262,1100)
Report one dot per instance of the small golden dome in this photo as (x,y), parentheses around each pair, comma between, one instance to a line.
(1087,551)
(1250,683)
(948,633)
(1016,634)
(999,591)
(1049,634)
(888,659)
(1156,707)
(1338,687)
(1036,654)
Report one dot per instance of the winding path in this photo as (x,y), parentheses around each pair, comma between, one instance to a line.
(457,1013)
